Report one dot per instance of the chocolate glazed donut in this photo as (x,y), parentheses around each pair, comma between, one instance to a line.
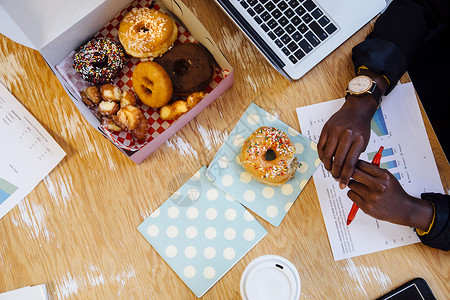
(190,67)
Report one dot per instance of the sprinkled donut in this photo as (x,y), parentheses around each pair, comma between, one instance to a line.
(99,60)
(147,32)
(190,67)
(268,155)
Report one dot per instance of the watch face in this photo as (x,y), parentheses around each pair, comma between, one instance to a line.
(360,84)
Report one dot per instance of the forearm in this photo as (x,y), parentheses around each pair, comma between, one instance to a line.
(419,214)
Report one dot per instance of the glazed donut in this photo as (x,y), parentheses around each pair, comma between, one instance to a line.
(268,155)
(194,98)
(91,96)
(127,99)
(110,92)
(146,32)
(108,108)
(190,67)
(141,131)
(110,124)
(131,118)
(152,84)
(178,108)
(99,60)
(174,110)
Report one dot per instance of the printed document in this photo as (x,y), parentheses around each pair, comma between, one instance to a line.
(28,152)
(397,126)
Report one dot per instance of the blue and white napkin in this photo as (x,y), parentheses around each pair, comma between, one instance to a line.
(271,203)
(201,232)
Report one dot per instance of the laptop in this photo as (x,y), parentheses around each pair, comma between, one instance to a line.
(295,35)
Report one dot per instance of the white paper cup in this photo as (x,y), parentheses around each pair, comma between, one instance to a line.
(270,277)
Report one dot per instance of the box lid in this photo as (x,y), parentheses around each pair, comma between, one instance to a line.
(37,23)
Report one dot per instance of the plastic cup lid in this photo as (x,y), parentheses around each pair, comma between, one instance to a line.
(270,277)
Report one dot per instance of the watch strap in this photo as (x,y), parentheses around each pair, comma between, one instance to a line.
(376,93)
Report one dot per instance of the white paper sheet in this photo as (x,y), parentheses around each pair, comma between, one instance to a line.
(36,292)
(398,126)
(28,153)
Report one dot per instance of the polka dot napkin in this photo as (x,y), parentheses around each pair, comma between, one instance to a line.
(201,232)
(271,203)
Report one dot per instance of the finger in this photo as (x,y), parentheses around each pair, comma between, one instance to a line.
(363,177)
(368,168)
(358,187)
(355,197)
(350,162)
(328,152)
(322,143)
(341,154)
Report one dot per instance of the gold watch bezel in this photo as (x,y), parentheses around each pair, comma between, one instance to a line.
(367,90)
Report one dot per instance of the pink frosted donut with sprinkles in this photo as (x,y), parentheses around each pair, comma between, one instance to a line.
(268,156)
(99,60)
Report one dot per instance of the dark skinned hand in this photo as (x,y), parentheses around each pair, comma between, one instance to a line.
(379,194)
(345,136)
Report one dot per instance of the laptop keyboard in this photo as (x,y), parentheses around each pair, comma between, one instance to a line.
(296,26)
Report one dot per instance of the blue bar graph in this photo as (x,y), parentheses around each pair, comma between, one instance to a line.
(6,189)
(378,124)
(388,161)
(386,152)
(389,164)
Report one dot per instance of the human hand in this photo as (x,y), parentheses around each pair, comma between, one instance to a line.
(379,194)
(345,136)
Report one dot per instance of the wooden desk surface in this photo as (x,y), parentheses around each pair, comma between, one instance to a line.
(76,231)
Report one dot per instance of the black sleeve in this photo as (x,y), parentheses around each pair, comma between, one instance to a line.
(439,235)
(398,34)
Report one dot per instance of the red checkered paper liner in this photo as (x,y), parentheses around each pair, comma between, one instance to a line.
(157,125)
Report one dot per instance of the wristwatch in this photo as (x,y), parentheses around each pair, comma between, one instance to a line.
(361,85)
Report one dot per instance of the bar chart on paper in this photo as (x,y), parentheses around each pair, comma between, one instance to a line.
(397,126)
(6,189)
(29,154)
(389,161)
(392,158)
(378,124)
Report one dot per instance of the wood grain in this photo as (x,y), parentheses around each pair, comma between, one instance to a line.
(76,231)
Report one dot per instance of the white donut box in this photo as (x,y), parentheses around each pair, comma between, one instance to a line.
(60,27)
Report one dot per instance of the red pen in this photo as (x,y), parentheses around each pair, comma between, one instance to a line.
(376,161)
